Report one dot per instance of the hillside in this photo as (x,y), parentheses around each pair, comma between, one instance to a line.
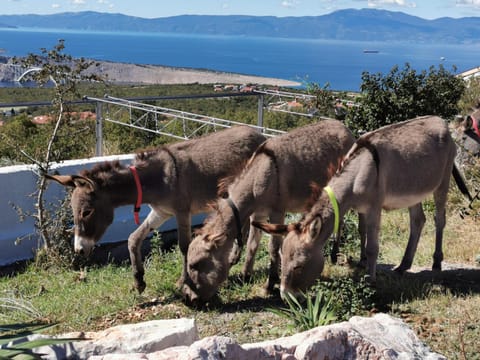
(359,25)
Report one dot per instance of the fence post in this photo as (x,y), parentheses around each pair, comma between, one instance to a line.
(99,130)
(260,110)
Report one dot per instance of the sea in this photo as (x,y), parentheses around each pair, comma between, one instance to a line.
(338,65)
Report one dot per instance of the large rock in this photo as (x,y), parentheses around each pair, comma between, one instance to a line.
(141,338)
(377,337)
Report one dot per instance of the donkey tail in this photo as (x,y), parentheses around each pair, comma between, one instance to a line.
(460,182)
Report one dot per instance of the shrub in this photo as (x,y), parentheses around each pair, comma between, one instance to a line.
(352,296)
(316,310)
(405,94)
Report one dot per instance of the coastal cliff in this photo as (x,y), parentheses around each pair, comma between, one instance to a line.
(124,73)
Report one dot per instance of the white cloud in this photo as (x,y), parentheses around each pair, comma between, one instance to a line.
(289,4)
(399,3)
(107,3)
(470,3)
(56,6)
(78,2)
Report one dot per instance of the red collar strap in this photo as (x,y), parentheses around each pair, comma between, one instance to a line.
(475,125)
(138,203)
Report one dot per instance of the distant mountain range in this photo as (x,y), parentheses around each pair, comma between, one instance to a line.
(359,25)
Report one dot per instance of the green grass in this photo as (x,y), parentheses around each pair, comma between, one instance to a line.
(444,309)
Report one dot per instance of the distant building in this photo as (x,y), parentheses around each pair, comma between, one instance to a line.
(83,115)
(472,73)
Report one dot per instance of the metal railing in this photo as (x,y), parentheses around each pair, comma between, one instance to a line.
(167,121)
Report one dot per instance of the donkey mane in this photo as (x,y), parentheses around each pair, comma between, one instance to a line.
(214,211)
(314,196)
(100,172)
(362,143)
(224,183)
(143,157)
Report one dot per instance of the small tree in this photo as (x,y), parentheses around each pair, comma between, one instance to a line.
(65,72)
(324,98)
(405,94)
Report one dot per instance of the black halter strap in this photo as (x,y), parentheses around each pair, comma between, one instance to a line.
(236,214)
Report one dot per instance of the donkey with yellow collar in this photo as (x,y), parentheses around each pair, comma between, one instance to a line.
(394,167)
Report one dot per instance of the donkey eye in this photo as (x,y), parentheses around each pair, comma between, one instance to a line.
(196,266)
(86,213)
(298,269)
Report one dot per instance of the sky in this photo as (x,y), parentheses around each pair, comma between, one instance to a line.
(427,9)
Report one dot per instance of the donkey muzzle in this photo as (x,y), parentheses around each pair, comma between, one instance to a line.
(83,246)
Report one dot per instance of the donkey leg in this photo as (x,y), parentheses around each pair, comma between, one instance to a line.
(135,240)
(184,224)
(371,244)
(417,221)
(236,253)
(362,230)
(440,198)
(253,241)
(274,247)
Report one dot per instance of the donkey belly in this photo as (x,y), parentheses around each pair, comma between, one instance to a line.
(399,201)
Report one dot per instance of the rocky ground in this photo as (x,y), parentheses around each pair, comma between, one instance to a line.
(377,337)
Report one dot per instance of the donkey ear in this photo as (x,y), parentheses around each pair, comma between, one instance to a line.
(277,229)
(65,180)
(82,181)
(72,180)
(468,123)
(314,229)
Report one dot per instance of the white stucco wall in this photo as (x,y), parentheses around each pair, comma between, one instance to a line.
(18,183)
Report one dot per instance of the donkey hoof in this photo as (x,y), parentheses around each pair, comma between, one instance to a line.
(266,292)
(140,286)
(247,278)
(333,258)
(269,289)
(138,282)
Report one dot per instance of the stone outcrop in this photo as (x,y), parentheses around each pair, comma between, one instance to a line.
(377,337)
(125,340)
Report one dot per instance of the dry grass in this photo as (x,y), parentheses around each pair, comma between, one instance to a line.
(443,308)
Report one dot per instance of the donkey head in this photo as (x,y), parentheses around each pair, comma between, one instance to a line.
(92,210)
(301,253)
(208,265)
